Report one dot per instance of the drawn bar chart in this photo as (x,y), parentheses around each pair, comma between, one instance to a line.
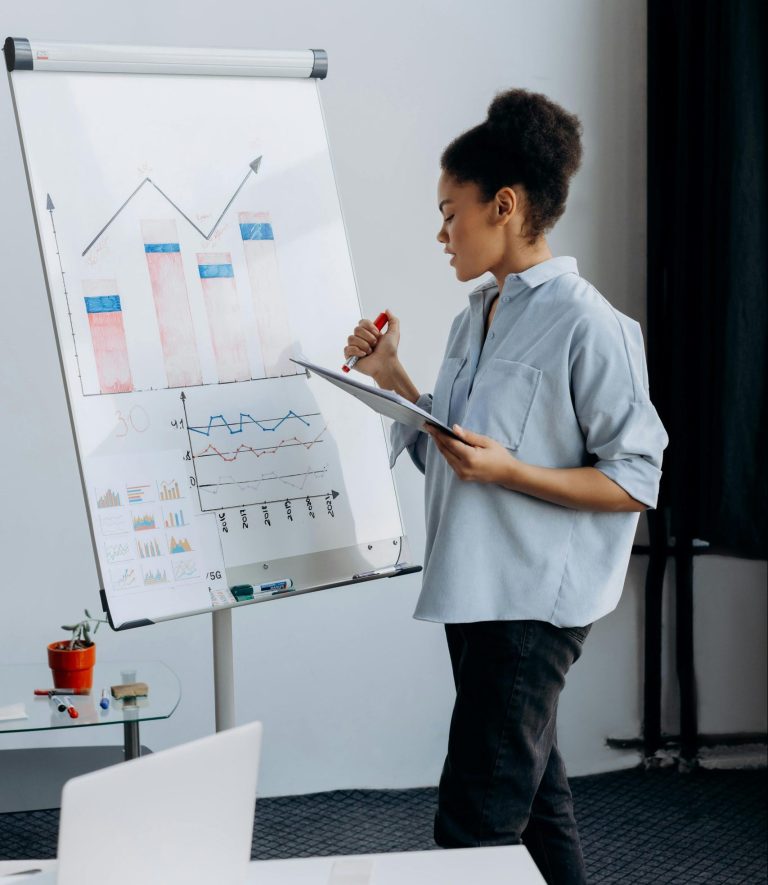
(271,315)
(169,290)
(153,578)
(217,279)
(149,549)
(139,493)
(110,498)
(169,490)
(174,518)
(105,319)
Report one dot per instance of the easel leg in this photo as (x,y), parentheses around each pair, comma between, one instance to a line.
(223,669)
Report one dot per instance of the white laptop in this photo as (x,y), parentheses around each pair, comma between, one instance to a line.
(183,815)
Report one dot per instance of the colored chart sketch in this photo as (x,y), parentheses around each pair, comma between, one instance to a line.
(244,459)
(110,498)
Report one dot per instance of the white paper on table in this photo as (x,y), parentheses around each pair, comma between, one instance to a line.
(13,711)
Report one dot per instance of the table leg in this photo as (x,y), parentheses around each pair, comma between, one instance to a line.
(132,743)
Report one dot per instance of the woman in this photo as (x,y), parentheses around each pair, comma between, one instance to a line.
(531,513)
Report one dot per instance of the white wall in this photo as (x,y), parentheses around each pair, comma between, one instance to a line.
(351,690)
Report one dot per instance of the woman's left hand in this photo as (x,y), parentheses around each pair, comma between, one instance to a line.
(476,458)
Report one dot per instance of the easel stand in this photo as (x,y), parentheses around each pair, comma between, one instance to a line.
(223,669)
(223,651)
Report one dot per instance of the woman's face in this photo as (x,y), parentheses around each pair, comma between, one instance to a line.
(470,232)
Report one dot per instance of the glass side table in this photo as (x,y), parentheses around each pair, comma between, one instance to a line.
(17,685)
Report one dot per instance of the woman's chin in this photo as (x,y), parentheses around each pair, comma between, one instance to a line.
(463,277)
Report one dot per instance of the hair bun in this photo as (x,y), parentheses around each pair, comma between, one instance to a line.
(527,115)
(508,110)
(530,125)
(528,140)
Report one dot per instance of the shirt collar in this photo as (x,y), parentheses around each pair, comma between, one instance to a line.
(533,276)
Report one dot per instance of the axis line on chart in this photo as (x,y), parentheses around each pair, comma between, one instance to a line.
(333,493)
(50,207)
(194,468)
(253,167)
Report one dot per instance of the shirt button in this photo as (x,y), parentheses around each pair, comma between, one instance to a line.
(493,334)
(505,298)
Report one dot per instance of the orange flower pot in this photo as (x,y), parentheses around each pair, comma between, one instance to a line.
(71,667)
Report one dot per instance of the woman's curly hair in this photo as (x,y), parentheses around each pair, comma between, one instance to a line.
(526,139)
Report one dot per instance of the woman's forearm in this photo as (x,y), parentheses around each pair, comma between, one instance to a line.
(580,488)
(396,378)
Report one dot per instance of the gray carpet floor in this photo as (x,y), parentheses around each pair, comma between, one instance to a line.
(658,827)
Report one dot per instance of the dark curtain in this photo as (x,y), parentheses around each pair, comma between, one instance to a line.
(708,266)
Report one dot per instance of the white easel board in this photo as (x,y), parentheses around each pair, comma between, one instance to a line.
(192,241)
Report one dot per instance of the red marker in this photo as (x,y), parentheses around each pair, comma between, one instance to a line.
(380,321)
(73,714)
(49,691)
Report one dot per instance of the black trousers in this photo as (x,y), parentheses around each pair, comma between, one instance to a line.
(504,780)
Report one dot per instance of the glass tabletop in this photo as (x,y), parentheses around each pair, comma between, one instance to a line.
(19,681)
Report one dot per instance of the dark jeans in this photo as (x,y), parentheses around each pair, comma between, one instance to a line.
(504,780)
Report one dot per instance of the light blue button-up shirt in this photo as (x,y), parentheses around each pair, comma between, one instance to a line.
(561,381)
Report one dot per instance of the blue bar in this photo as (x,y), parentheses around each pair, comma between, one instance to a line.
(103,304)
(256,231)
(161,247)
(215,270)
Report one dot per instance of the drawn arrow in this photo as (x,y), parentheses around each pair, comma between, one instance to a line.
(253,167)
(49,207)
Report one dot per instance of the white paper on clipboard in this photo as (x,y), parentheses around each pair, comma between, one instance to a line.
(385,402)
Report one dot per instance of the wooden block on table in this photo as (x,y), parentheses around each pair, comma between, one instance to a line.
(130,690)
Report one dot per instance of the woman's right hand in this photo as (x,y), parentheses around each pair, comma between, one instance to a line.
(376,351)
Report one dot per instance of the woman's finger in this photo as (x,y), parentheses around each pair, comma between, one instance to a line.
(452,461)
(440,441)
(370,326)
(453,446)
(361,343)
(350,350)
(366,334)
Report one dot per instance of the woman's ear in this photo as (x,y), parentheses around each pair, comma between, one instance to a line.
(507,201)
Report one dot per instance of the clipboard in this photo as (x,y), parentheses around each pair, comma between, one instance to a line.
(385,402)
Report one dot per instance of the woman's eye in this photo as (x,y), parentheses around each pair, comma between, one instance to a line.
(449,218)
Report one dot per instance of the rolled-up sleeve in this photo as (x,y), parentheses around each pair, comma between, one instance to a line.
(609,385)
(404,436)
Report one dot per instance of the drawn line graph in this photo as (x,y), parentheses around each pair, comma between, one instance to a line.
(210,451)
(253,168)
(220,422)
(220,491)
(296,480)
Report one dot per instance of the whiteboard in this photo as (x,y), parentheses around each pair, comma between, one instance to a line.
(193,242)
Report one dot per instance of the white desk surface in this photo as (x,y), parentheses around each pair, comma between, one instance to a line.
(509,865)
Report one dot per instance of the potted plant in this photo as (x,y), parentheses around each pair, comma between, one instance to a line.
(72,660)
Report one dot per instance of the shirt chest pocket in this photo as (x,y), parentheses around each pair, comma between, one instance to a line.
(501,401)
(441,396)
